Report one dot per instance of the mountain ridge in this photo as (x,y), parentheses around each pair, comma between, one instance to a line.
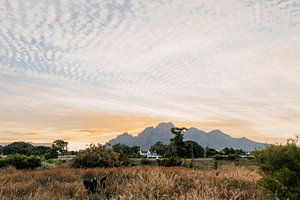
(162,132)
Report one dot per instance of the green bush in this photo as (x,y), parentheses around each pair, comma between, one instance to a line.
(24,162)
(21,161)
(280,168)
(3,163)
(50,154)
(145,161)
(226,157)
(99,156)
(169,162)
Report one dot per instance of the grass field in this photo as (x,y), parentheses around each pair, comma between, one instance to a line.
(133,183)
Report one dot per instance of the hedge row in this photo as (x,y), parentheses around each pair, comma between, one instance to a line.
(21,161)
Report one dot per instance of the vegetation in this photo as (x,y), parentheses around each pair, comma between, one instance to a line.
(132,152)
(60,146)
(161,149)
(24,148)
(178,147)
(280,168)
(21,161)
(169,162)
(99,156)
(231,151)
(133,183)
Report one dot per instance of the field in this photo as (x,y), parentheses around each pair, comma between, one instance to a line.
(133,183)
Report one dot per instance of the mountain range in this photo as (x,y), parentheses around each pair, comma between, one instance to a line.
(162,132)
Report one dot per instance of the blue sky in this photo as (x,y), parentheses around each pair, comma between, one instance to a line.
(112,66)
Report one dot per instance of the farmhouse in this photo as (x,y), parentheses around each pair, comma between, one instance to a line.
(149,154)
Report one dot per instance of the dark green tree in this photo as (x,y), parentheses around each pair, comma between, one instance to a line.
(177,145)
(193,150)
(60,146)
(18,148)
(1,149)
(161,149)
(210,152)
(132,152)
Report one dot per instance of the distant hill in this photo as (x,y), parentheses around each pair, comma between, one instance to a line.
(162,132)
(34,144)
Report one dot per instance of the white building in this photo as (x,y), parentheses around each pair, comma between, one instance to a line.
(149,154)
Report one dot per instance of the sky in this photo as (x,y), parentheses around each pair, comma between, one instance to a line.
(86,71)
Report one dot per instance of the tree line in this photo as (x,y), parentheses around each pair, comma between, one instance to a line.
(178,148)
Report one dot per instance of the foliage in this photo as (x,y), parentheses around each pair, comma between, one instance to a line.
(145,161)
(226,157)
(210,152)
(60,146)
(99,156)
(21,161)
(132,152)
(28,149)
(193,150)
(50,154)
(169,162)
(177,145)
(280,168)
(1,149)
(231,151)
(18,148)
(161,149)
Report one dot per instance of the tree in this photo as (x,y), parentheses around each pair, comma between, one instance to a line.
(193,150)
(161,149)
(60,146)
(1,149)
(209,152)
(50,154)
(231,151)
(18,148)
(177,146)
(132,152)
(280,169)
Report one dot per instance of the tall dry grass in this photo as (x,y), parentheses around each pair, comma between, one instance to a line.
(133,183)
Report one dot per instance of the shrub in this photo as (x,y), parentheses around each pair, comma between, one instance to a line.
(171,161)
(280,168)
(50,154)
(98,156)
(24,162)
(3,163)
(145,161)
(226,157)
(21,161)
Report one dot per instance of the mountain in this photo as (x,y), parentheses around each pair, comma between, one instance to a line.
(162,132)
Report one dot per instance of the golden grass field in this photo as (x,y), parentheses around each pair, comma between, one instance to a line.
(133,183)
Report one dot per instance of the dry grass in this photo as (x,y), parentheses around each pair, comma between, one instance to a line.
(133,183)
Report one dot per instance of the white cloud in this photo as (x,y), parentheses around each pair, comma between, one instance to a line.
(190,60)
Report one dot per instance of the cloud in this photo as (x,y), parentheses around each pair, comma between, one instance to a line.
(192,61)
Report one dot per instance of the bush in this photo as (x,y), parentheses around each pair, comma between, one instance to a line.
(169,162)
(226,157)
(280,168)
(50,154)
(21,161)
(3,163)
(99,156)
(24,162)
(145,161)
